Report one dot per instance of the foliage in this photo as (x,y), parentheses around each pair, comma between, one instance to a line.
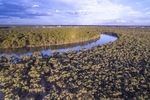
(118,70)
(18,37)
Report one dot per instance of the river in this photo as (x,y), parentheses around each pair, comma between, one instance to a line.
(104,38)
(48,50)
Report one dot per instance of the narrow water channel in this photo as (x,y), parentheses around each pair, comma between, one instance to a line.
(29,51)
(104,38)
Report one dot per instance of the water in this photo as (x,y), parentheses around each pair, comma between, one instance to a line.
(49,50)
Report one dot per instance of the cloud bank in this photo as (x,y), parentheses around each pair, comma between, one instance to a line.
(72,12)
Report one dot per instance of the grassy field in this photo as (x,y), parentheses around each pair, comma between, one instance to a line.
(118,70)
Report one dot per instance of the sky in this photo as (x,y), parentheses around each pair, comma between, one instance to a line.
(74,12)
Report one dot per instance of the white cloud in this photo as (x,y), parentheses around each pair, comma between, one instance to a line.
(93,11)
(57,11)
(120,21)
(88,11)
(36,5)
(73,12)
(147,13)
(147,8)
(142,22)
(134,13)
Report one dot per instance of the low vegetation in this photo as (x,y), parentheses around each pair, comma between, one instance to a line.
(18,37)
(118,70)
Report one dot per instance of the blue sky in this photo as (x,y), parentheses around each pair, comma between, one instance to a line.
(75,12)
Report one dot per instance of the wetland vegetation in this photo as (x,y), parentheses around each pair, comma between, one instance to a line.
(117,70)
(48,50)
(19,37)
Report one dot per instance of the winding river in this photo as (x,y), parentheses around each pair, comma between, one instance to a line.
(49,50)
(104,38)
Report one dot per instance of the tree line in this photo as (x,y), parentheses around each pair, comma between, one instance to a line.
(19,37)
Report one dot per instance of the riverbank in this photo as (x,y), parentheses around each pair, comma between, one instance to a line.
(117,70)
(22,37)
(71,43)
(47,50)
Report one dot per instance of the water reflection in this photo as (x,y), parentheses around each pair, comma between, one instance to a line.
(64,48)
